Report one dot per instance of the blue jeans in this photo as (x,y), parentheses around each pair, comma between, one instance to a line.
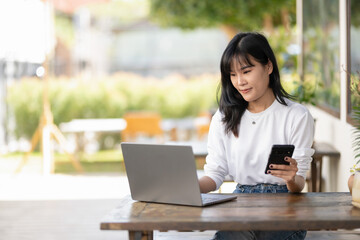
(268,235)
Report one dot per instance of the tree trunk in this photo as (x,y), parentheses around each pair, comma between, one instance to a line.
(285,19)
(230,31)
(268,23)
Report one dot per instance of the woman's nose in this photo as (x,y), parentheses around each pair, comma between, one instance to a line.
(240,81)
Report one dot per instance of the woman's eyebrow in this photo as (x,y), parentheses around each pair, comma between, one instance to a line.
(245,67)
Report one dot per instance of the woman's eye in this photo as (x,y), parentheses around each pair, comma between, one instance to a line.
(232,74)
(246,72)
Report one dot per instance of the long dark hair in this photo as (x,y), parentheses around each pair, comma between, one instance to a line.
(231,104)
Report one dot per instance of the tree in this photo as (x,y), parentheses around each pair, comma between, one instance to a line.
(355,16)
(230,15)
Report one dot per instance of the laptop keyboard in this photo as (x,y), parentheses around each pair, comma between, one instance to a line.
(209,198)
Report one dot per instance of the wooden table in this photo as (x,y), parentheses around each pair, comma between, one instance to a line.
(282,211)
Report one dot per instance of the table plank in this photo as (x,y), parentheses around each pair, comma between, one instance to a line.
(325,149)
(311,211)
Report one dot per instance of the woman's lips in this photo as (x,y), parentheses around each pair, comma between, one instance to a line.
(244,91)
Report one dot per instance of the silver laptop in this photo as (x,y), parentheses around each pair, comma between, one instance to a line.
(165,174)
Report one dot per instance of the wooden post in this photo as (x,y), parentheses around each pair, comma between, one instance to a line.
(48,131)
(141,235)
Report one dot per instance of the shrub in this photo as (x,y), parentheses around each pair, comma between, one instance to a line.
(109,97)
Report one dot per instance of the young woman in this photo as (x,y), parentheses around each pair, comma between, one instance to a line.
(255,112)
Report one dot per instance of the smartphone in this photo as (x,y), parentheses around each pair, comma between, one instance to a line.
(278,153)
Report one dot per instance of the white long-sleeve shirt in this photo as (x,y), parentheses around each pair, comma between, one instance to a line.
(245,158)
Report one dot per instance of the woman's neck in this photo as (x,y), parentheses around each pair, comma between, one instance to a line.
(262,103)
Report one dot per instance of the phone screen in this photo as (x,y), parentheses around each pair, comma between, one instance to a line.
(278,154)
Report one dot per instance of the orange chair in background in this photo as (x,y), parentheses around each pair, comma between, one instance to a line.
(142,126)
(202,124)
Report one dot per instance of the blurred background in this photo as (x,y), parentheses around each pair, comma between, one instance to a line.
(74,74)
(101,59)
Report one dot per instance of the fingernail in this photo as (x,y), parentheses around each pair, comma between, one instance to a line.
(286,158)
(268,171)
(271,166)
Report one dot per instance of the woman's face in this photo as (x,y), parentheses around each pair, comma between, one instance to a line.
(252,82)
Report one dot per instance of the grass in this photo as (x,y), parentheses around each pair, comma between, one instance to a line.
(91,167)
(100,156)
(106,161)
(101,161)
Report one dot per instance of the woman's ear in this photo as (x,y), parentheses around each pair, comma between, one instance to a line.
(269,67)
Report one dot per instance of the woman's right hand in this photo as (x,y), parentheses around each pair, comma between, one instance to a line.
(207,184)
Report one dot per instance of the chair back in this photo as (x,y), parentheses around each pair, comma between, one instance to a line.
(141,126)
(202,124)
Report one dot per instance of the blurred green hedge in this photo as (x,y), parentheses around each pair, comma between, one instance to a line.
(109,97)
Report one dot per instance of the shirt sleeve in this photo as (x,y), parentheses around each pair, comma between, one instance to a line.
(216,166)
(302,136)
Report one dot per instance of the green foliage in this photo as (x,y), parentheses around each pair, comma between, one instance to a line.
(321,50)
(356,134)
(355,14)
(279,41)
(241,14)
(24,101)
(64,29)
(100,161)
(355,89)
(304,91)
(110,97)
(320,12)
(120,10)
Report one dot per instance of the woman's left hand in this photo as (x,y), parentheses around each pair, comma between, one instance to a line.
(286,172)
